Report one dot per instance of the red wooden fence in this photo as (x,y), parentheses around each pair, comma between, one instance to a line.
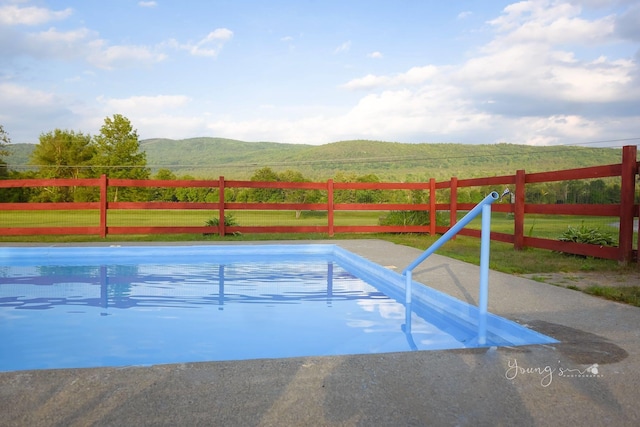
(626,210)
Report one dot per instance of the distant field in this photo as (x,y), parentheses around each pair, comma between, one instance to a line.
(549,226)
(544,226)
(146,218)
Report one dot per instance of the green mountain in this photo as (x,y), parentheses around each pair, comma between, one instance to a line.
(214,157)
(18,155)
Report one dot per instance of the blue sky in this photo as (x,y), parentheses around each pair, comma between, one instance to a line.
(537,72)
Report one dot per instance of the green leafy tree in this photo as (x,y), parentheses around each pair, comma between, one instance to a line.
(166,194)
(597,191)
(344,196)
(4,141)
(613,193)
(266,195)
(368,196)
(19,194)
(63,154)
(118,155)
(293,195)
(195,194)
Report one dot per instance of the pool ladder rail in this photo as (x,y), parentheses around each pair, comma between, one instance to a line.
(484,208)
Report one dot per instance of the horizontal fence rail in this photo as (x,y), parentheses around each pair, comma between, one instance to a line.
(328,204)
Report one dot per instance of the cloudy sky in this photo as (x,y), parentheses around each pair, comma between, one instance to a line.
(317,71)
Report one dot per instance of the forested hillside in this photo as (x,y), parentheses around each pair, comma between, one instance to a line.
(213,157)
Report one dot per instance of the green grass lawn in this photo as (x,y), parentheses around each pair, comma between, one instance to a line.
(504,258)
(161,217)
(535,225)
(547,226)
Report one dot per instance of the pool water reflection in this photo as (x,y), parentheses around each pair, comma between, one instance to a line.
(90,307)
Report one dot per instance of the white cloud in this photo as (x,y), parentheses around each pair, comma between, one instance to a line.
(344,47)
(52,43)
(147,3)
(21,107)
(80,44)
(152,116)
(543,79)
(527,85)
(84,44)
(13,95)
(465,14)
(210,46)
(31,15)
(143,105)
(367,82)
(170,126)
(526,63)
(429,111)
(414,76)
(537,72)
(553,129)
(546,21)
(123,56)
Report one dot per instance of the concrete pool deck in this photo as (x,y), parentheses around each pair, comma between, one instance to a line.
(591,378)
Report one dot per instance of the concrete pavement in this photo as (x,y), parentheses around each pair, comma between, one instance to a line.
(591,378)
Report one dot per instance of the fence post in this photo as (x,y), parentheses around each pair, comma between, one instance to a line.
(627,198)
(518,211)
(221,206)
(432,206)
(104,182)
(330,207)
(638,252)
(453,204)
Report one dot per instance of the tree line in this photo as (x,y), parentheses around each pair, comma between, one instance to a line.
(115,152)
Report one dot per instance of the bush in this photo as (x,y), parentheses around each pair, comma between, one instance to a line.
(583,234)
(229,220)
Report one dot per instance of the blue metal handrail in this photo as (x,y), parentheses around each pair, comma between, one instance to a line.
(483,207)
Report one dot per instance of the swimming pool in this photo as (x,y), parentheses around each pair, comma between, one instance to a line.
(64,307)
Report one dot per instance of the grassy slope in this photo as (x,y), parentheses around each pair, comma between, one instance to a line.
(212,157)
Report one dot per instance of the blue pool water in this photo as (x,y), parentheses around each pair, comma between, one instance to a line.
(119,306)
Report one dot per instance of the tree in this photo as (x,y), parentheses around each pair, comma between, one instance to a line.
(597,191)
(63,154)
(293,195)
(344,196)
(368,196)
(166,194)
(118,154)
(266,195)
(195,194)
(4,141)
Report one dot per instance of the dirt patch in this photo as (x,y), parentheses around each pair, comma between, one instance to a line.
(583,280)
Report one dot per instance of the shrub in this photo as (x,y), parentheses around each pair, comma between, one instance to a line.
(583,234)
(229,220)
